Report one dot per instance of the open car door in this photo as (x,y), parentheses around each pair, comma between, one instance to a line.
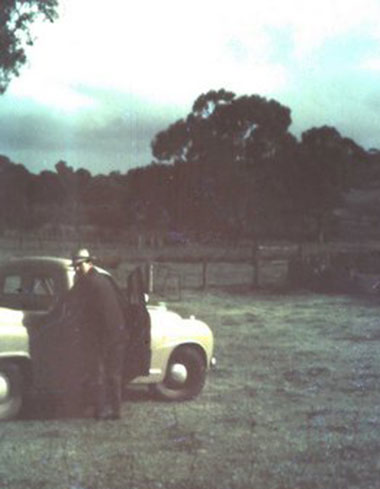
(138,350)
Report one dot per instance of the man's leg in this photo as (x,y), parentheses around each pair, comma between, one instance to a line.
(100,391)
(114,369)
(115,396)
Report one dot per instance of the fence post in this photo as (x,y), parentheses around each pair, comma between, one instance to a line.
(204,274)
(256,265)
(149,276)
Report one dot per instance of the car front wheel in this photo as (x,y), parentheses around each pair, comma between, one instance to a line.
(185,375)
(10,391)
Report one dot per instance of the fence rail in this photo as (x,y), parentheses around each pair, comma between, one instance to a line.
(172,269)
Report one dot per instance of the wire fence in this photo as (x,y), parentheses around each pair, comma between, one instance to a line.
(170,270)
(169,279)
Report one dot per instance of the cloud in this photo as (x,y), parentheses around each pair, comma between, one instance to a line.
(170,51)
(103,80)
(114,134)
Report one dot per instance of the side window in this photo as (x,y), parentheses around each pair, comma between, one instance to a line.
(42,292)
(12,284)
(43,286)
(29,292)
(11,291)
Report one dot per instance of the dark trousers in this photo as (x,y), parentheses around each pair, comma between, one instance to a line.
(109,379)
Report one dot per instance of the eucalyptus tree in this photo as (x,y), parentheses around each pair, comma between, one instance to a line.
(15,195)
(16,19)
(222,150)
(328,161)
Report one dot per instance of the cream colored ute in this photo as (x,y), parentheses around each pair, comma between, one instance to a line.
(167,352)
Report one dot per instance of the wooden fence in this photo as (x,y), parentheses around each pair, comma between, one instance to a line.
(170,270)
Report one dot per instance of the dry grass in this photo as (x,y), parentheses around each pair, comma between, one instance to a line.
(293,403)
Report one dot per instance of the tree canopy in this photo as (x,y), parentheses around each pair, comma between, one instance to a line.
(16,18)
(231,168)
(220,127)
(244,170)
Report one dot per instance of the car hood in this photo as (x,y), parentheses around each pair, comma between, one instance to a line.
(166,323)
(11,317)
(14,336)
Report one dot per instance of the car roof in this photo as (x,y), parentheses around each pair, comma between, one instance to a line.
(30,262)
(40,262)
(64,262)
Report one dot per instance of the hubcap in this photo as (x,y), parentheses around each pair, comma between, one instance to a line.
(178,374)
(4,387)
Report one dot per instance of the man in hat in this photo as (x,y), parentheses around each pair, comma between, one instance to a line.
(103,333)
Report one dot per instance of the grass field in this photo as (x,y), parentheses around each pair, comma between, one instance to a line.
(293,403)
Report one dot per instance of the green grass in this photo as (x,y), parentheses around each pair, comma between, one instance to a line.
(293,403)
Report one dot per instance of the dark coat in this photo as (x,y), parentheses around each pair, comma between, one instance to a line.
(87,324)
(91,320)
(97,305)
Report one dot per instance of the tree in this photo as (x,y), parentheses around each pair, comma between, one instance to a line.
(102,199)
(47,198)
(15,198)
(232,150)
(324,173)
(16,18)
(148,200)
(73,185)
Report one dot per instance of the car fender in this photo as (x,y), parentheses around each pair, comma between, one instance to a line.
(14,336)
(170,331)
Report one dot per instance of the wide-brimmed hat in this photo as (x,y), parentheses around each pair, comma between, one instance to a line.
(81,256)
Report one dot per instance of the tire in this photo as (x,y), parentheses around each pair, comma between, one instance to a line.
(11,399)
(185,376)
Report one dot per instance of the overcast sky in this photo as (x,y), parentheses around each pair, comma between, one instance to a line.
(107,76)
